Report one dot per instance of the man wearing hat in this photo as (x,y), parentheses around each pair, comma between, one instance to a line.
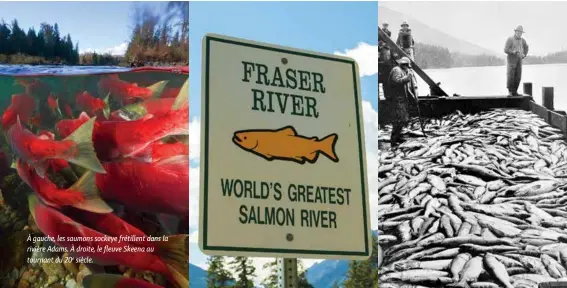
(398,98)
(384,57)
(383,48)
(517,49)
(405,40)
(386,30)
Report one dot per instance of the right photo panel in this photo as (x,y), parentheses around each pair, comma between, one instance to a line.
(472,145)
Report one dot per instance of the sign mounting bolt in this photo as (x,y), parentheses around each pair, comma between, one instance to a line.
(289,237)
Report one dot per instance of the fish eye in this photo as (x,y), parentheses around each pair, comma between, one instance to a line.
(244,137)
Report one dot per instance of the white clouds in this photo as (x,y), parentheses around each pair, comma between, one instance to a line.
(366,56)
(370,117)
(194,197)
(118,50)
(194,139)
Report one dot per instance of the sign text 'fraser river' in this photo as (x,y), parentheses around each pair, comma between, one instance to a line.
(283,171)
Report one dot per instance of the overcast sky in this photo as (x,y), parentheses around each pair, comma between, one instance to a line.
(488,24)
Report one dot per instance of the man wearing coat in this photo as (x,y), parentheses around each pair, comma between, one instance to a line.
(517,49)
(398,98)
(405,40)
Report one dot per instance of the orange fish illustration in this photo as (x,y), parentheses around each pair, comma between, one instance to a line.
(285,144)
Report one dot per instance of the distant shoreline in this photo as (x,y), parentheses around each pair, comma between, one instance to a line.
(123,65)
(503,65)
(23,59)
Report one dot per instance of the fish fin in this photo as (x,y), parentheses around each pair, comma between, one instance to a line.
(288,131)
(86,185)
(101,280)
(14,165)
(157,88)
(33,200)
(106,109)
(328,147)
(57,108)
(84,115)
(182,99)
(18,122)
(175,252)
(181,139)
(41,169)
(311,158)
(85,155)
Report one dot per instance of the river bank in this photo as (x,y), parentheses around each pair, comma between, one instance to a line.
(22,59)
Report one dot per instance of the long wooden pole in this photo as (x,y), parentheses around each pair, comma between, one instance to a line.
(434,88)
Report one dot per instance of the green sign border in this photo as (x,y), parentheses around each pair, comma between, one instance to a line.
(208,39)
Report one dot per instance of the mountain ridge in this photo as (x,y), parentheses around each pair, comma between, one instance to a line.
(425,34)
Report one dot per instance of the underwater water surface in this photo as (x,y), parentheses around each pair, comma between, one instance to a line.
(93,176)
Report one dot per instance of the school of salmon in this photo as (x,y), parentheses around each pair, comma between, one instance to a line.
(479,202)
(135,156)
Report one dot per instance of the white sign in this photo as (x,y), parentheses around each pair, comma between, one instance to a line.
(283,167)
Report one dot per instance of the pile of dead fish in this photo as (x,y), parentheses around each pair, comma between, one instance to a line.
(480,202)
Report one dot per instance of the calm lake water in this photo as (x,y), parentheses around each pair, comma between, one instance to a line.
(491,81)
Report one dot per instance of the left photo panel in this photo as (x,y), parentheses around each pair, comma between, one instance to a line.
(94,153)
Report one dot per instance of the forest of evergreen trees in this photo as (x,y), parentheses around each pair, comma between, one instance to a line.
(36,47)
(158,38)
(432,57)
(360,273)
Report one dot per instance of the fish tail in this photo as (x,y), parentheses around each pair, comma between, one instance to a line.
(101,280)
(84,154)
(328,147)
(106,108)
(175,253)
(157,88)
(93,202)
(182,99)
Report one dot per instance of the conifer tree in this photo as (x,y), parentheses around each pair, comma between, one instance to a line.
(364,273)
(245,272)
(217,274)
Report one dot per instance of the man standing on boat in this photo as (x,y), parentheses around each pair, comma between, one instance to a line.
(405,40)
(398,98)
(517,49)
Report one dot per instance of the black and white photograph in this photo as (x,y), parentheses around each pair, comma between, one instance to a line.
(472,176)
